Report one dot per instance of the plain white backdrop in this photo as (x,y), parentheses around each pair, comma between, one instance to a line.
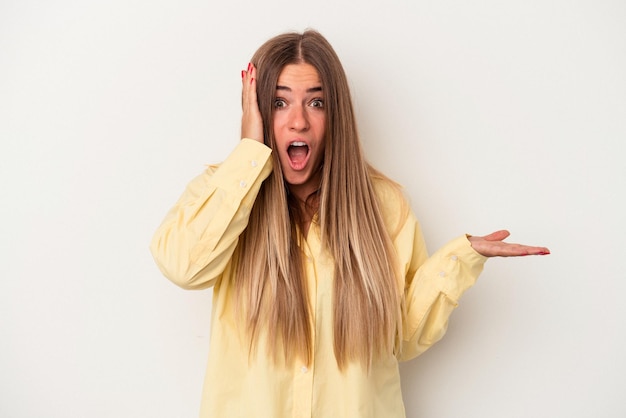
(493,114)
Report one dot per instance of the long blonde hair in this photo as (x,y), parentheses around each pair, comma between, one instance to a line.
(270,282)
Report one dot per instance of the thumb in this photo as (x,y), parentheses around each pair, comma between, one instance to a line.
(498,235)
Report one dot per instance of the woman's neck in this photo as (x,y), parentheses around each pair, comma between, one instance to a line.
(306,209)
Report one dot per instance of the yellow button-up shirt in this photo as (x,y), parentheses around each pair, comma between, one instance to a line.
(193,247)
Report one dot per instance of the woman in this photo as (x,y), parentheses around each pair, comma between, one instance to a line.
(321,278)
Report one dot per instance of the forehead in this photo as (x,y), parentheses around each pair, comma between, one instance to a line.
(299,76)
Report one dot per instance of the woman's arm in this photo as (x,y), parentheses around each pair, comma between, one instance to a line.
(198,236)
(435,284)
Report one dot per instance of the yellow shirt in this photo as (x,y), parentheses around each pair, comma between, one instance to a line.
(193,248)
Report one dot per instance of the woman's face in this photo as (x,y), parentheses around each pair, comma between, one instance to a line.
(299,127)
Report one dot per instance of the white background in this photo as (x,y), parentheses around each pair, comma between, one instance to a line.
(493,114)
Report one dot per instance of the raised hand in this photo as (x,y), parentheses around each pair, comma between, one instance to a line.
(492,245)
(251,121)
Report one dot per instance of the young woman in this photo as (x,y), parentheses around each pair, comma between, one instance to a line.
(321,279)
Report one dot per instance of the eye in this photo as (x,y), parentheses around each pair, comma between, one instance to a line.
(279,103)
(317,103)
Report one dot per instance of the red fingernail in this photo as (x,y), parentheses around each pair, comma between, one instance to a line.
(243,73)
(249,65)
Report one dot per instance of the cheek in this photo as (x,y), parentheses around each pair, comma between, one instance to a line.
(276,125)
(320,125)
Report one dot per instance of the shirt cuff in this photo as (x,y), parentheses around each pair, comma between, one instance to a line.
(248,163)
(459,267)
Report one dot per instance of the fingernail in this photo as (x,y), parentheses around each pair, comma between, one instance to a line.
(249,65)
(243,73)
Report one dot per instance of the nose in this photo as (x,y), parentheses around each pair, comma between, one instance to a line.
(298,119)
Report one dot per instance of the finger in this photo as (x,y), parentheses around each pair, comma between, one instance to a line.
(252,86)
(249,87)
(251,121)
(244,90)
(530,250)
(498,235)
(246,75)
(516,250)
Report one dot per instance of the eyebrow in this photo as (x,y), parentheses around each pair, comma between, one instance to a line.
(310,90)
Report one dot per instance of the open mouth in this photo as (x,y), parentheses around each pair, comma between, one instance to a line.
(298,152)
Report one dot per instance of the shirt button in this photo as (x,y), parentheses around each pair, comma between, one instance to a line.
(454,258)
(253,163)
(442,274)
(243,183)
(304,369)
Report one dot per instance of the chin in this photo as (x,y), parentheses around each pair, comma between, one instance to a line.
(296,180)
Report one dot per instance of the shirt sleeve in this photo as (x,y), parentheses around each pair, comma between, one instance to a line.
(433,286)
(198,236)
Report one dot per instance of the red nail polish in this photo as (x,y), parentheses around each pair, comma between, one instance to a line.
(243,73)
(249,66)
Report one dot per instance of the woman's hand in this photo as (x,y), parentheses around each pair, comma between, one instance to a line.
(492,245)
(251,121)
